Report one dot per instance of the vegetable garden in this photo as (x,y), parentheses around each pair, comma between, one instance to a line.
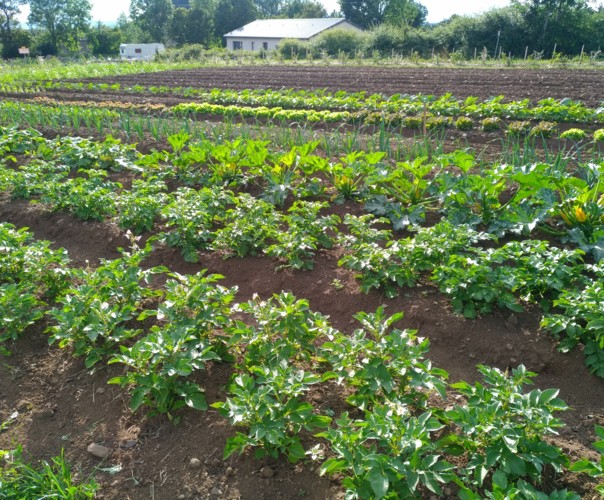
(272,293)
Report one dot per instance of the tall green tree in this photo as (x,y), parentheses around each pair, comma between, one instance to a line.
(153,17)
(199,25)
(64,21)
(9,9)
(178,22)
(233,14)
(405,13)
(104,41)
(555,22)
(364,13)
(269,8)
(303,9)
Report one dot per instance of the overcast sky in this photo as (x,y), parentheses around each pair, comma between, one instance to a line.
(109,10)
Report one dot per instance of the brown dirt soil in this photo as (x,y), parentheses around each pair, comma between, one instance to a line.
(514,83)
(62,405)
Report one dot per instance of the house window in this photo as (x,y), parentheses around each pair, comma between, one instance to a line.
(138,51)
(237,45)
(265,45)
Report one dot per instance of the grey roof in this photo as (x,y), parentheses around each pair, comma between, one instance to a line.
(285,28)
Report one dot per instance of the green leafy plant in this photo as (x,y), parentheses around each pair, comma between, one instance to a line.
(161,365)
(501,429)
(574,134)
(491,124)
(247,228)
(306,232)
(382,363)
(544,129)
(138,209)
(464,123)
(96,314)
(283,329)
(269,403)
(591,468)
(389,453)
(190,219)
(19,479)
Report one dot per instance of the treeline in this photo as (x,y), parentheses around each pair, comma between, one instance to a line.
(536,28)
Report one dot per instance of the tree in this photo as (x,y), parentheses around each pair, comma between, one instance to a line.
(199,26)
(558,22)
(9,9)
(405,13)
(364,13)
(177,26)
(153,17)
(269,8)
(104,41)
(304,9)
(63,20)
(233,14)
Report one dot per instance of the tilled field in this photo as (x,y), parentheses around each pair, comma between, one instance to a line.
(64,406)
(514,84)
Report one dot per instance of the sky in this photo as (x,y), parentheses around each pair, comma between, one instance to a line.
(109,10)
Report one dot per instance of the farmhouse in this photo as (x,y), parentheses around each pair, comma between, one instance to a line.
(141,51)
(265,34)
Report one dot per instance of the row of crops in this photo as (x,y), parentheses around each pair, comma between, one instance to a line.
(357,105)
(396,437)
(197,197)
(504,236)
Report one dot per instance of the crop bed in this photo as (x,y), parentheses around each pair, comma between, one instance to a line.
(583,85)
(61,404)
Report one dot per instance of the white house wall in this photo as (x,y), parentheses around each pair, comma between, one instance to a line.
(253,43)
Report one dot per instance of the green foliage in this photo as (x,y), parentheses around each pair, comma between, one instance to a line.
(574,134)
(544,129)
(21,308)
(529,270)
(91,198)
(464,123)
(501,429)
(389,453)
(335,42)
(491,124)
(96,313)
(269,403)
(284,331)
(306,233)
(580,320)
(162,363)
(190,219)
(292,48)
(247,228)
(518,128)
(19,479)
(138,208)
(599,135)
(593,469)
(392,367)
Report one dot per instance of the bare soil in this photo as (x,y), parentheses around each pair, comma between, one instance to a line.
(62,405)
